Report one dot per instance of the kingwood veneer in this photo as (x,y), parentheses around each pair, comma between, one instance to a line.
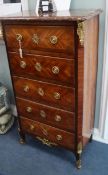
(53,64)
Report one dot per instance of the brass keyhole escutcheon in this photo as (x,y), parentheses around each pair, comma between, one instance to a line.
(42,114)
(23,64)
(29,109)
(38,67)
(57,95)
(26,88)
(41,92)
(55,70)
(19,37)
(53,40)
(58,118)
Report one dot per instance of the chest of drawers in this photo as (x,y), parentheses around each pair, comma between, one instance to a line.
(53,65)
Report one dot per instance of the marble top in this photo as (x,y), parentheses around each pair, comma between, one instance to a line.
(71,15)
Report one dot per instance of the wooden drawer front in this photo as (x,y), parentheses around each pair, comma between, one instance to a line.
(51,116)
(46,68)
(54,135)
(59,96)
(60,38)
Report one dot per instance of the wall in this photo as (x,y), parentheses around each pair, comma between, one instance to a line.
(76,4)
(32,4)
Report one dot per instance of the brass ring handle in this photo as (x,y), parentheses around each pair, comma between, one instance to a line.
(59,137)
(23,64)
(19,37)
(53,40)
(58,118)
(38,67)
(35,39)
(26,88)
(41,92)
(29,109)
(42,114)
(57,95)
(55,70)
(32,127)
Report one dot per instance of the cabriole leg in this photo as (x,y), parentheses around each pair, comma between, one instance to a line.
(78,155)
(91,138)
(22,136)
(78,161)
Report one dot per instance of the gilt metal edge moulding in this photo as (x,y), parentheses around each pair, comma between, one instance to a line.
(80,32)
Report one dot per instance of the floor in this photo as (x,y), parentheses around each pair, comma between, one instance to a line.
(34,158)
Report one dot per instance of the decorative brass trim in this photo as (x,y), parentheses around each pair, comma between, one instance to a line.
(59,137)
(57,95)
(22,141)
(32,127)
(19,37)
(79,152)
(79,148)
(78,164)
(40,91)
(80,32)
(42,114)
(29,109)
(1,33)
(55,70)
(53,40)
(46,142)
(38,67)
(23,64)
(35,39)
(58,118)
(26,88)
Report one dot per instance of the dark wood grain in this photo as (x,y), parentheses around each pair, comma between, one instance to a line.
(48,132)
(67,96)
(67,121)
(65,75)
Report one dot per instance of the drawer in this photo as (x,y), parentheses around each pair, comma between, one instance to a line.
(44,67)
(45,114)
(53,38)
(46,93)
(49,134)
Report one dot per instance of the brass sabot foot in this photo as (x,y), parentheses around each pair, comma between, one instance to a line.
(78,164)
